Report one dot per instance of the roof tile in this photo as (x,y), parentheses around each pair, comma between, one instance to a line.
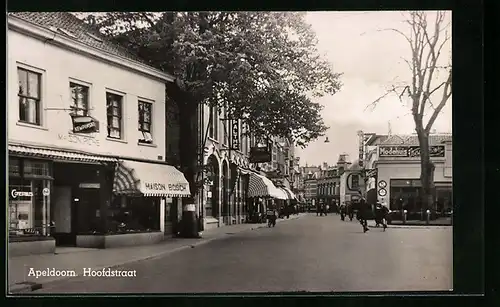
(434,139)
(68,22)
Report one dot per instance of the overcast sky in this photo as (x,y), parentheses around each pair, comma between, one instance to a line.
(371,61)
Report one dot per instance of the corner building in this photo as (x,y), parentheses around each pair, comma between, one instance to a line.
(86,140)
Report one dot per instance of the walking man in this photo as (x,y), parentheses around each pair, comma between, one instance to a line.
(362,214)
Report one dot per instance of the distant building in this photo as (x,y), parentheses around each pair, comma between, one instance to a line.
(329,185)
(396,159)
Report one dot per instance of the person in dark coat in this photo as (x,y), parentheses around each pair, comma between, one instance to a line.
(381,213)
(362,214)
(350,211)
(343,211)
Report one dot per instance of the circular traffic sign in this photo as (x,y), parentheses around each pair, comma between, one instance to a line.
(382,192)
(46,192)
(382,184)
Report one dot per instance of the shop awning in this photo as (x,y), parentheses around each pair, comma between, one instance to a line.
(260,186)
(148,179)
(57,154)
(283,193)
(289,192)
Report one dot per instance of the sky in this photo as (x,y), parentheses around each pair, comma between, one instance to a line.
(371,62)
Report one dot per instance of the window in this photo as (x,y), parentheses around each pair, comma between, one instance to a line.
(214,122)
(145,122)
(114,115)
(355,182)
(29,96)
(79,99)
(134,214)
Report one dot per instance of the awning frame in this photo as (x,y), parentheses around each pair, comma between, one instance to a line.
(128,182)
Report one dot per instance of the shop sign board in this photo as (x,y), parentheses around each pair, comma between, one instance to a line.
(260,154)
(404,151)
(361,147)
(85,124)
(235,135)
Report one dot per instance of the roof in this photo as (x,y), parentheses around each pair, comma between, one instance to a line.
(355,166)
(65,21)
(413,139)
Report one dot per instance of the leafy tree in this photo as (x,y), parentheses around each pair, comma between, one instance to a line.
(426,44)
(261,67)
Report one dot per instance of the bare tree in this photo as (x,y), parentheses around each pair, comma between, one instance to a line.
(426,46)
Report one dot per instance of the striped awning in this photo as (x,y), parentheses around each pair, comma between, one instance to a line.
(148,179)
(260,186)
(289,192)
(284,194)
(57,154)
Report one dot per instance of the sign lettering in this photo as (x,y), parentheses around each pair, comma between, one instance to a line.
(155,186)
(177,187)
(437,151)
(85,124)
(235,133)
(79,139)
(361,145)
(14,193)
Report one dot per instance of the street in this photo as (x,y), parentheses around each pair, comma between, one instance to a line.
(308,254)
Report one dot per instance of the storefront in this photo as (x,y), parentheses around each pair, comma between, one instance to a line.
(145,200)
(29,219)
(262,194)
(398,179)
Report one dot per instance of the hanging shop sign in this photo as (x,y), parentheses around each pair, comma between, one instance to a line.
(85,124)
(260,154)
(235,135)
(361,147)
(436,151)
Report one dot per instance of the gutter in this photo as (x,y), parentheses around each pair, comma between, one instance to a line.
(36,31)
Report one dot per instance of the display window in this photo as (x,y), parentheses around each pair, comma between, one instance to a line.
(29,203)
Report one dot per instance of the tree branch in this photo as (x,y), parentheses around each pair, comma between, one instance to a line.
(393,90)
(446,95)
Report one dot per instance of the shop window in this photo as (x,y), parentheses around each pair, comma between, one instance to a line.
(36,169)
(14,167)
(28,210)
(134,214)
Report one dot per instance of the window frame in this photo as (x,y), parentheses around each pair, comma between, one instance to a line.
(27,97)
(74,109)
(109,125)
(141,122)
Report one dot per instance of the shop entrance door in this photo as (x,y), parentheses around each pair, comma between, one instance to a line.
(62,212)
(87,213)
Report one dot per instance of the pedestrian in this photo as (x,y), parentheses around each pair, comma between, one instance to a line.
(350,211)
(327,207)
(381,214)
(362,214)
(343,212)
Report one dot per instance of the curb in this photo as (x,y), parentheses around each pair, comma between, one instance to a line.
(26,287)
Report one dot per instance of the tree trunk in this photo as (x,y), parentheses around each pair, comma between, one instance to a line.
(427,172)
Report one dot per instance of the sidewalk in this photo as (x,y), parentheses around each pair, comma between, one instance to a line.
(19,267)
